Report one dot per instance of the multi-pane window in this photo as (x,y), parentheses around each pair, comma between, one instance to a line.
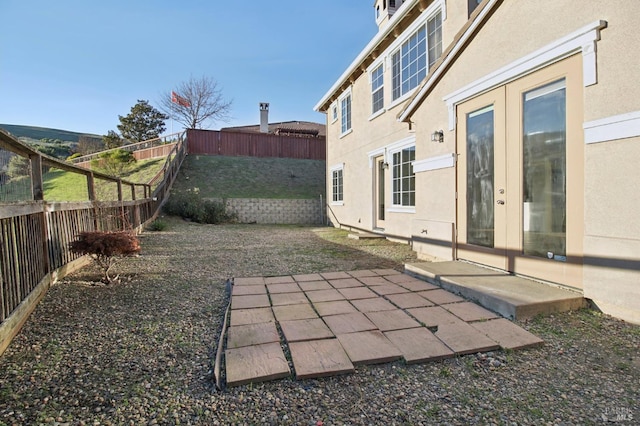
(377,89)
(336,177)
(409,64)
(334,113)
(404,179)
(345,109)
(434,32)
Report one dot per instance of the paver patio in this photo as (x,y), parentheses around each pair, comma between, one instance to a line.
(332,321)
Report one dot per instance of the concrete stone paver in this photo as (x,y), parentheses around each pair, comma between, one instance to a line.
(433,316)
(345,283)
(440,297)
(324,295)
(252,334)
(392,320)
(332,321)
(373,305)
(319,358)
(294,312)
(279,280)
(389,288)
(334,275)
(335,307)
(357,293)
(419,345)
(507,334)
(257,363)
(279,299)
(248,281)
(418,285)
(305,329)
(468,311)
(362,273)
(314,285)
(307,277)
(369,347)
(283,288)
(374,281)
(250,301)
(251,316)
(408,300)
(464,339)
(349,323)
(243,290)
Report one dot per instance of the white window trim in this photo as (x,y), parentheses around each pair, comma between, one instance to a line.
(434,163)
(331,170)
(396,147)
(377,153)
(345,94)
(331,109)
(612,128)
(583,40)
(378,62)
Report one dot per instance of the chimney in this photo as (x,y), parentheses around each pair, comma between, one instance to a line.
(264,117)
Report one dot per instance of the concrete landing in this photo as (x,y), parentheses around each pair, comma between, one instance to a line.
(365,236)
(509,295)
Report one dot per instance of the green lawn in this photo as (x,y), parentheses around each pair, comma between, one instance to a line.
(252,177)
(60,185)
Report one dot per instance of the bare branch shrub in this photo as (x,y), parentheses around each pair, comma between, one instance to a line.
(106,249)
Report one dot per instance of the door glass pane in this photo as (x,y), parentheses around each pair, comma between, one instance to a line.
(544,139)
(480,224)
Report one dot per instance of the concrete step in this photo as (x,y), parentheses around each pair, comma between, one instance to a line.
(509,295)
(365,236)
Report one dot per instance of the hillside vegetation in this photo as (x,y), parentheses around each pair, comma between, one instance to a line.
(252,177)
(38,133)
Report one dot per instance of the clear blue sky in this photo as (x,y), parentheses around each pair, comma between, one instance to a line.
(78,64)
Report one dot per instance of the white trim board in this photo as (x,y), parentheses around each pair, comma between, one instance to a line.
(434,163)
(582,40)
(612,128)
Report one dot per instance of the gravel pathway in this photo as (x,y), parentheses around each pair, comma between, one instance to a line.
(141,352)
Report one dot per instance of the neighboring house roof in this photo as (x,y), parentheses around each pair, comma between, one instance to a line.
(305,129)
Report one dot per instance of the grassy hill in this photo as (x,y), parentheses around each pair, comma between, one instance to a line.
(37,133)
(252,177)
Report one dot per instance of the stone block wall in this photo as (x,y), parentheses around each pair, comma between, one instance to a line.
(276,211)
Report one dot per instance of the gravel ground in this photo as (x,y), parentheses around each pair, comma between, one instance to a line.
(141,352)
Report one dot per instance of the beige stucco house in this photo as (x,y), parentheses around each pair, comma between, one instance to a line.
(500,132)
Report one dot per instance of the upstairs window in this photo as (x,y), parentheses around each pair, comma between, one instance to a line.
(345,110)
(434,30)
(472,5)
(334,112)
(411,62)
(377,89)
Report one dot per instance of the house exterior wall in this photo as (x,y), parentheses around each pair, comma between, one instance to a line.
(608,155)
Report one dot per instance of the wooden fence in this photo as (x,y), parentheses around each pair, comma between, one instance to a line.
(214,142)
(35,234)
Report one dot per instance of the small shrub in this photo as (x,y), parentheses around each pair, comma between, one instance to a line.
(190,205)
(115,162)
(106,249)
(157,225)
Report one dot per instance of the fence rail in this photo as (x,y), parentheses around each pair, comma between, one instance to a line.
(35,234)
(215,142)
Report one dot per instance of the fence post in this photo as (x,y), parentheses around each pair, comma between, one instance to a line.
(36,177)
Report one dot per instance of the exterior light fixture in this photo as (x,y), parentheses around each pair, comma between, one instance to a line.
(437,136)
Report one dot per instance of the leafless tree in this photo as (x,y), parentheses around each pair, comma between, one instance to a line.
(196,103)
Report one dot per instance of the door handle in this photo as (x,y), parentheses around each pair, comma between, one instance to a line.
(501,202)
